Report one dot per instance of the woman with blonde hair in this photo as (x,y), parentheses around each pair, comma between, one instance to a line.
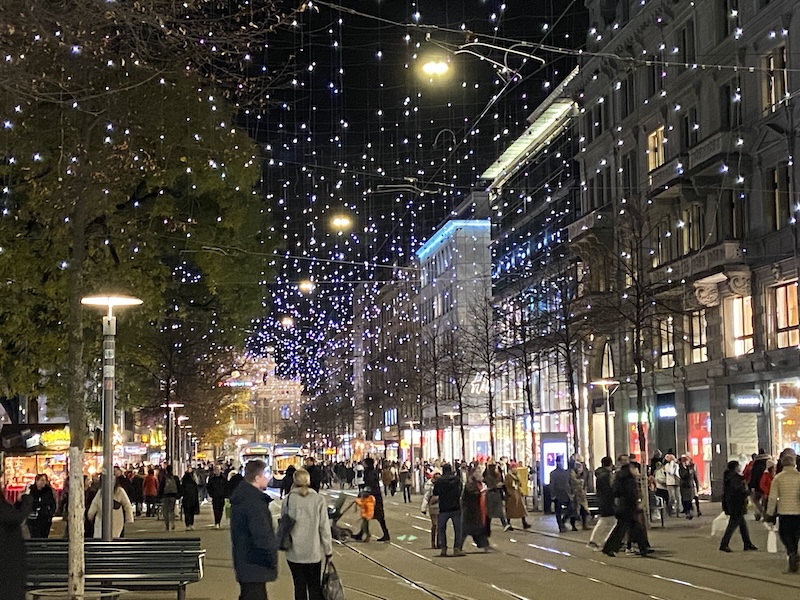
(310,537)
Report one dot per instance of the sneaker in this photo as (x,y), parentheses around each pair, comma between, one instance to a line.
(216,526)
(526,525)
(593,545)
(488,549)
(725,549)
(385,538)
(794,563)
(508,528)
(444,552)
(459,552)
(750,547)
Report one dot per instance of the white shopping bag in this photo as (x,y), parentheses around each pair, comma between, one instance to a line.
(772,540)
(719,524)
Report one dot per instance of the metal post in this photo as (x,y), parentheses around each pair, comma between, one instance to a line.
(109,333)
(606,396)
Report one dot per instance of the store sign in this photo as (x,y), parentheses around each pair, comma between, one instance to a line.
(748,401)
(135,449)
(55,439)
(667,412)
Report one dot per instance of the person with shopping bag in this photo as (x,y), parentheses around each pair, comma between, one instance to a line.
(783,505)
(310,537)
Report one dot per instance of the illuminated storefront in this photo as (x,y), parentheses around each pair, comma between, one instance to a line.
(785,415)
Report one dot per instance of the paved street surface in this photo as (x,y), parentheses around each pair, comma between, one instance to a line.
(539,564)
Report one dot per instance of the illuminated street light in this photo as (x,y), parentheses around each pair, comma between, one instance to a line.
(306,286)
(287,322)
(435,68)
(341,222)
(109,385)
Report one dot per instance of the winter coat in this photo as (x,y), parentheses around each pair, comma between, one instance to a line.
(405,476)
(605,494)
(495,505)
(14,573)
(757,468)
(688,488)
(216,487)
(578,492)
(44,502)
(448,489)
(387,476)
(766,483)
(671,470)
(311,534)
(515,503)
(233,482)
(315,473)
(373,484)
(734,494)
(784,494)
(430,503)
(119,516)
(191,495)
(626,494)
(161,493)
(137,485)
(288,480)
(255,550)
(560,488)
(150,487)
(473,508)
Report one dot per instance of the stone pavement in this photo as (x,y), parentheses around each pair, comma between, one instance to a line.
(534,565)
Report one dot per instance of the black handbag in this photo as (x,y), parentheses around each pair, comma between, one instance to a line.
(285,526)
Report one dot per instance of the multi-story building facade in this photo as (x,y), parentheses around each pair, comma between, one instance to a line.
(685,225)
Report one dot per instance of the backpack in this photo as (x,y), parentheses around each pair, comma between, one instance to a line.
(170,487)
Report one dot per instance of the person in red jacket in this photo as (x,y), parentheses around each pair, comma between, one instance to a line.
(150,491)
(766,483)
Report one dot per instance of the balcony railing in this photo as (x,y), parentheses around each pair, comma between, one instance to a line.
(695,265)
(717,145)
(594,220)
(667,174)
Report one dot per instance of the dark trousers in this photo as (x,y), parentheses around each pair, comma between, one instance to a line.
(188,516)
(150,502)
(627,525)
(455,517)
(789,530)
(406,493)
(218,506)
(307,580)
(734,522)
(561,507)
(253,591)
(39,528)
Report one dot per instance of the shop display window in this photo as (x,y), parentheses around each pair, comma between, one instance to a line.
(785,400)
(700,446)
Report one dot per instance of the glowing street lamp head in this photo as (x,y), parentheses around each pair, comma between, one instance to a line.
(306,286)
(110,301)
(341,222)
(287,322)
(435,68)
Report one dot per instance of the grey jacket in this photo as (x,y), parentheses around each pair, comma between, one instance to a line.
(311,534)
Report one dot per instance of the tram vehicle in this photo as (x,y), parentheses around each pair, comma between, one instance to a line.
(256,450)
(283,456)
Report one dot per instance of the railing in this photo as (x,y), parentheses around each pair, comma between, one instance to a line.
(703,261)
(718,144)
(597,218)
(667,173)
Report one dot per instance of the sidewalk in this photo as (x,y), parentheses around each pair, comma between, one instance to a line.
(690,541)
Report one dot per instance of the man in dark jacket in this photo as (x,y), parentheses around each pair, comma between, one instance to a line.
(627,510)
(216,489)
(372,483)
(255,550)
(448,489)
(734,504)
(315,472)
(560,492)
(14,572)
(757,469)
(605,502)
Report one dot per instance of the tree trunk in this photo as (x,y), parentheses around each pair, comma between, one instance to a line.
(461,429)
(491,421)
(436,419)
(76,401)
(573,404)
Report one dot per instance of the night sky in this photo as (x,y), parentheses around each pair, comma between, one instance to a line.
(359,131)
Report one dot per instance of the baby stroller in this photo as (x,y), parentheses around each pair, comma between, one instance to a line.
(341,534)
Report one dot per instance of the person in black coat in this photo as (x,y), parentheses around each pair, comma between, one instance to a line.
(13,574)
(43,509)
(315,471)
(372,483)
(190,501)
(734,504)
(255,549)
(605,502)
(216,490)
(627,510)
(288,480)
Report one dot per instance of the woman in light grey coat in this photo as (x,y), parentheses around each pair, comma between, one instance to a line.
(310,539)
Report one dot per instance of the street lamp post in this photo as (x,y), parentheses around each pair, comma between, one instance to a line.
(606,384)
(109,386)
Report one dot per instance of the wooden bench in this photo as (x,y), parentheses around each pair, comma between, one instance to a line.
(140,564)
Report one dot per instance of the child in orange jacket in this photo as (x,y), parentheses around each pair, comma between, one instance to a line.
(366,504)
